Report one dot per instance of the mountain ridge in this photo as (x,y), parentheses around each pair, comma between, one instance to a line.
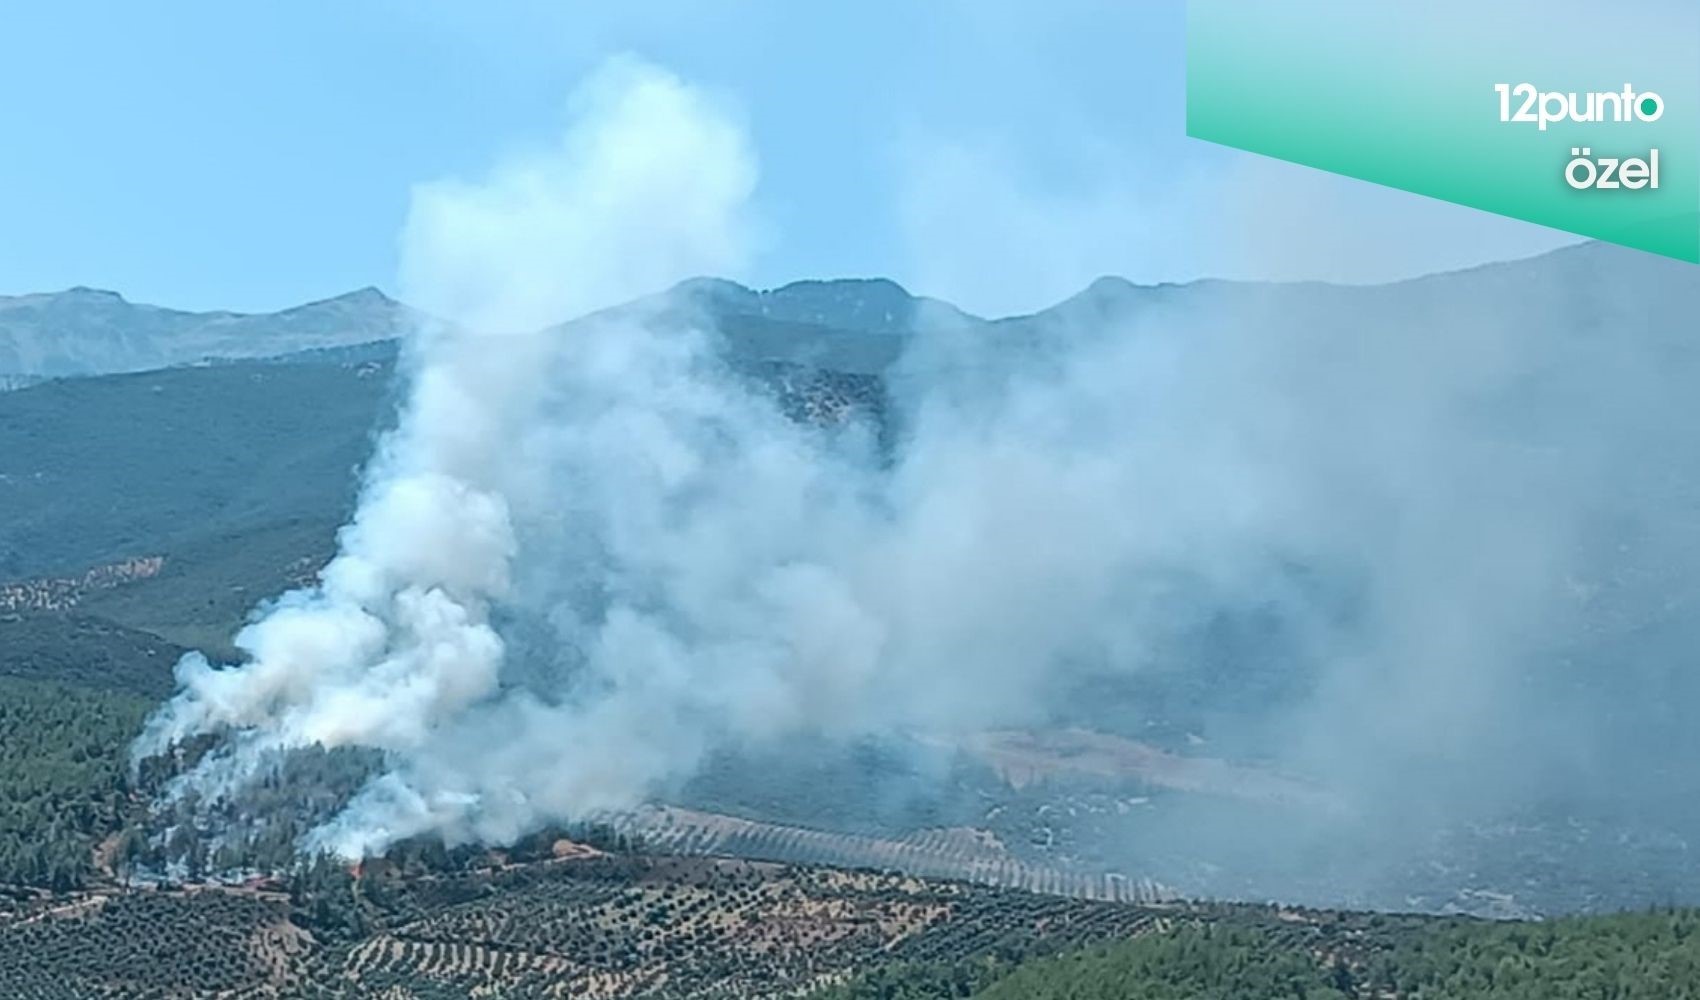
(90,331)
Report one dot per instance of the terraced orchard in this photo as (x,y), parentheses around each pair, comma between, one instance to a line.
(593,925)
(964,854)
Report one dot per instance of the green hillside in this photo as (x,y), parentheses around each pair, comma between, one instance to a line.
(85,652)
(99,469)
(1646,956)
(62,782)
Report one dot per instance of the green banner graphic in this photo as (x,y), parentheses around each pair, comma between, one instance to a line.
(1583,118)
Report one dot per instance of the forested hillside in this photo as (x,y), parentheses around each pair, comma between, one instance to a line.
(62,780)
(1650,956)
(102,469)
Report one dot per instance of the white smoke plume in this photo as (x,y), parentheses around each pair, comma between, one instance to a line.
(393,646)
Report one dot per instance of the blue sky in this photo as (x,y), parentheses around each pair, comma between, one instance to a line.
(255,155)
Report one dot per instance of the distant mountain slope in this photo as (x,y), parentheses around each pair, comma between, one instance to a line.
(85,651)
(190,460)
(871,305)
(86,331)
(93,470)
(1580,296)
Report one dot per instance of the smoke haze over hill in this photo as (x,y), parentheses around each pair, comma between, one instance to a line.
(1389,539)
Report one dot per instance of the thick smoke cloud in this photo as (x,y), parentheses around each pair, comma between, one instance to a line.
(394,646)
(1377,527)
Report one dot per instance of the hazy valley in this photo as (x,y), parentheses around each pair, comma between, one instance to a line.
(1313,705)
